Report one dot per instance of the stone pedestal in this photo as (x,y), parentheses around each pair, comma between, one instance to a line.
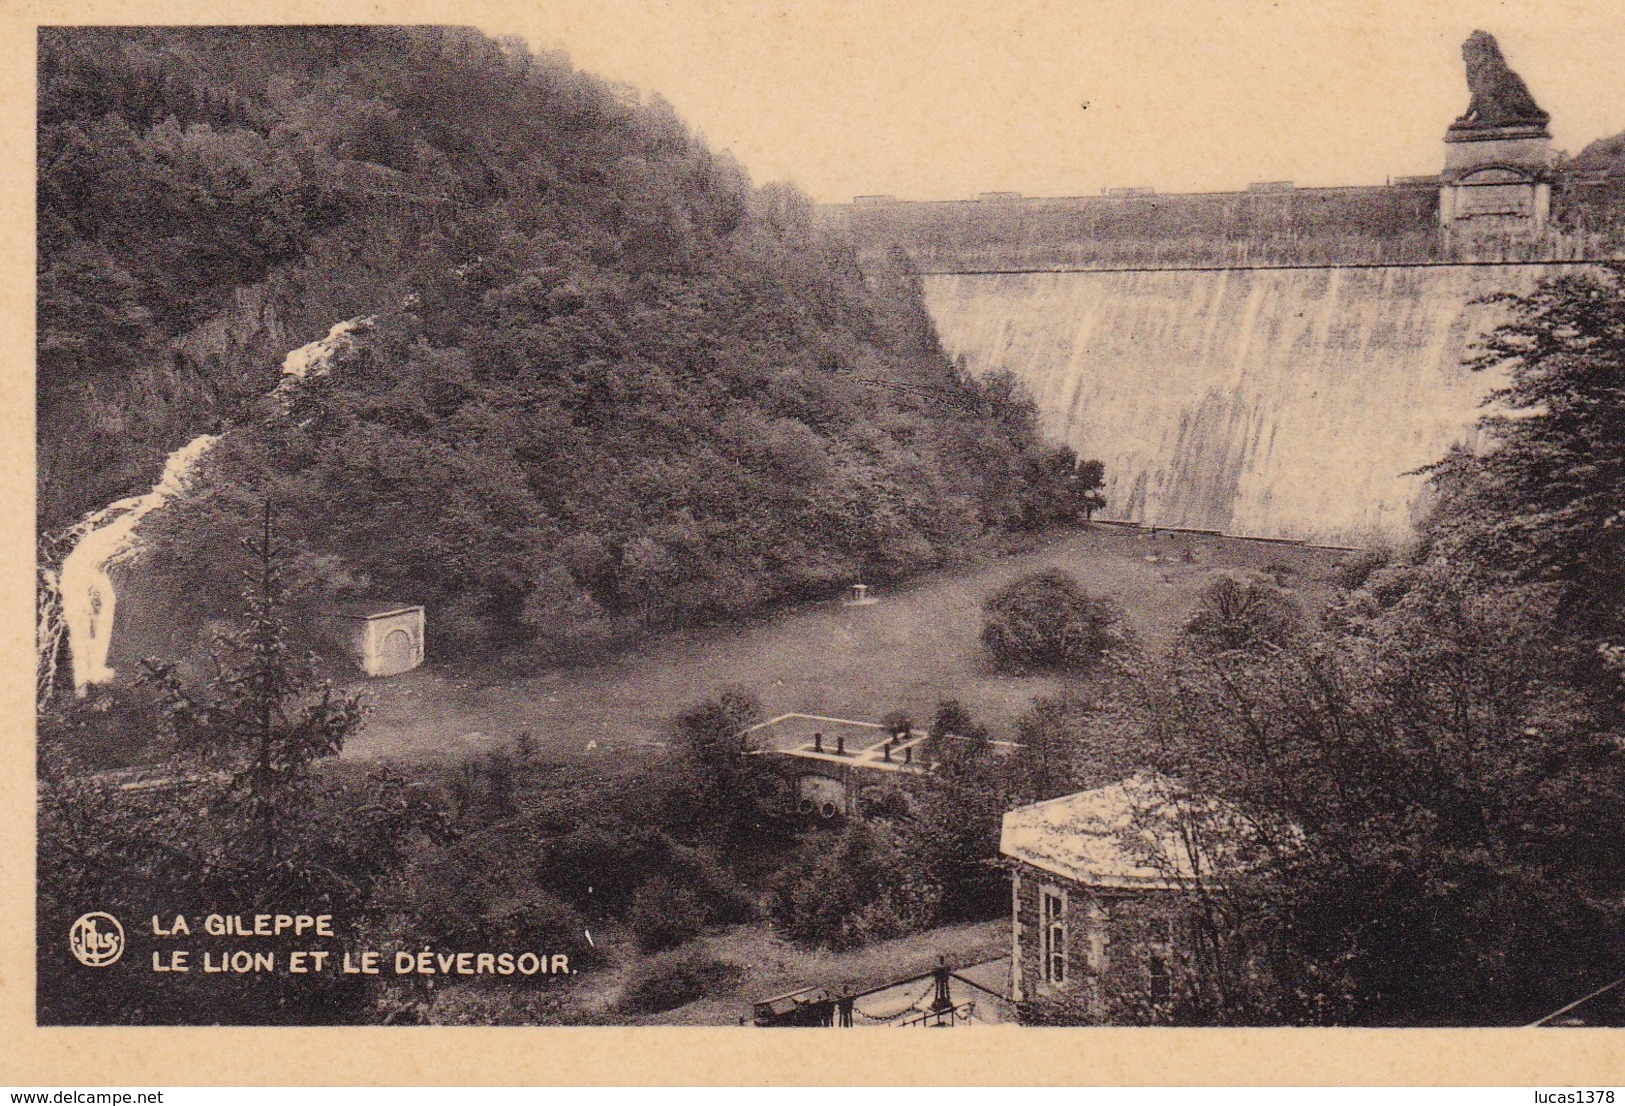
(1496,183)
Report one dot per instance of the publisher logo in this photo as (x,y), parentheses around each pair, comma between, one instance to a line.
(96,940)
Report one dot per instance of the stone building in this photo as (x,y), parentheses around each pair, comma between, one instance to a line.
(1097,906)
(386,639)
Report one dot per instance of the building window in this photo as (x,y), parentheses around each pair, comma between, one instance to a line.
(1161,931)
(1157,968)
(1052,914)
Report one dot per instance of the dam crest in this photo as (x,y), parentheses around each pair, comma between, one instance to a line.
(1274,362)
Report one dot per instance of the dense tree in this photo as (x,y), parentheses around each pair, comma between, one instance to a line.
(1243,611)
(608,386)
(264,715)
(243,811)
(853,886)
(718,785)
(1542,503)
(1440,812)
(1045,621)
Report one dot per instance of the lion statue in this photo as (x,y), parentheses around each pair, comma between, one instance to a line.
(1499,96)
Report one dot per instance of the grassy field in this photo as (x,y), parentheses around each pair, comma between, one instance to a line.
(914,648)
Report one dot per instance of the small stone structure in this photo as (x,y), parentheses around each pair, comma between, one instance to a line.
(1498,155)
(827,763)
(386,639)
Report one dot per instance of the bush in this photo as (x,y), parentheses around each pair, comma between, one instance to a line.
(676,978)
(865,885)
(663,916)
(717,886)
(539,922)
(477,895)
(600,864)
(897,721)
(1045,622)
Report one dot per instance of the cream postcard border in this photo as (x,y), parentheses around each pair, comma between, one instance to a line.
(56,1057)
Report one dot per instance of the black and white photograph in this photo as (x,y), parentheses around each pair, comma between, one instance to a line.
(836,516)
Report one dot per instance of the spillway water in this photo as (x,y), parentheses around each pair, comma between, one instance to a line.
(84,596)
(85,583)
(1271,402)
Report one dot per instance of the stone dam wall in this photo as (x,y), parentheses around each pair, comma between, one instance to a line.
(1273,224)
(1282,403)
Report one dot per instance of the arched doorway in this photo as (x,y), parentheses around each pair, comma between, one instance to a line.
(396,653)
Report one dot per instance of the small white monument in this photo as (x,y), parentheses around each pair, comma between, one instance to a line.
(859,597)
(386,639)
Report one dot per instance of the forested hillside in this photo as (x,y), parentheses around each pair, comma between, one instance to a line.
(607,383)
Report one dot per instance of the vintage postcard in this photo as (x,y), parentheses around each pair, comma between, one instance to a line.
(1095,526)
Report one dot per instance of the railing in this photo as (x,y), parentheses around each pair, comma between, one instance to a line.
(941,1019)
(824,1006)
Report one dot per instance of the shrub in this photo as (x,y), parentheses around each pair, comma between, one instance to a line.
(474,895)
(663,916)
(1243,612)
(1045,621)
(897,721)
(1280,572)
(676,978)
(717,886)
(888,802)
(1353,572)
(539,922)
(951,717)
(600,864)
(713,794)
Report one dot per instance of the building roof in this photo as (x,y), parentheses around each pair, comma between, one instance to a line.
(377,608)
(1125,835)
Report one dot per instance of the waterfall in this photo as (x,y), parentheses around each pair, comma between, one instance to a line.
(79,599)
(85,583)
(1273,403)
(316,358)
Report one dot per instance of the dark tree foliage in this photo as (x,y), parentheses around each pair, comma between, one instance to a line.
(1044,622)
(1243,612)
(664,915)
(1440,812)
(675,978)
(610,385)
(244,814)
(265,714)
(718,789)
(859,884)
